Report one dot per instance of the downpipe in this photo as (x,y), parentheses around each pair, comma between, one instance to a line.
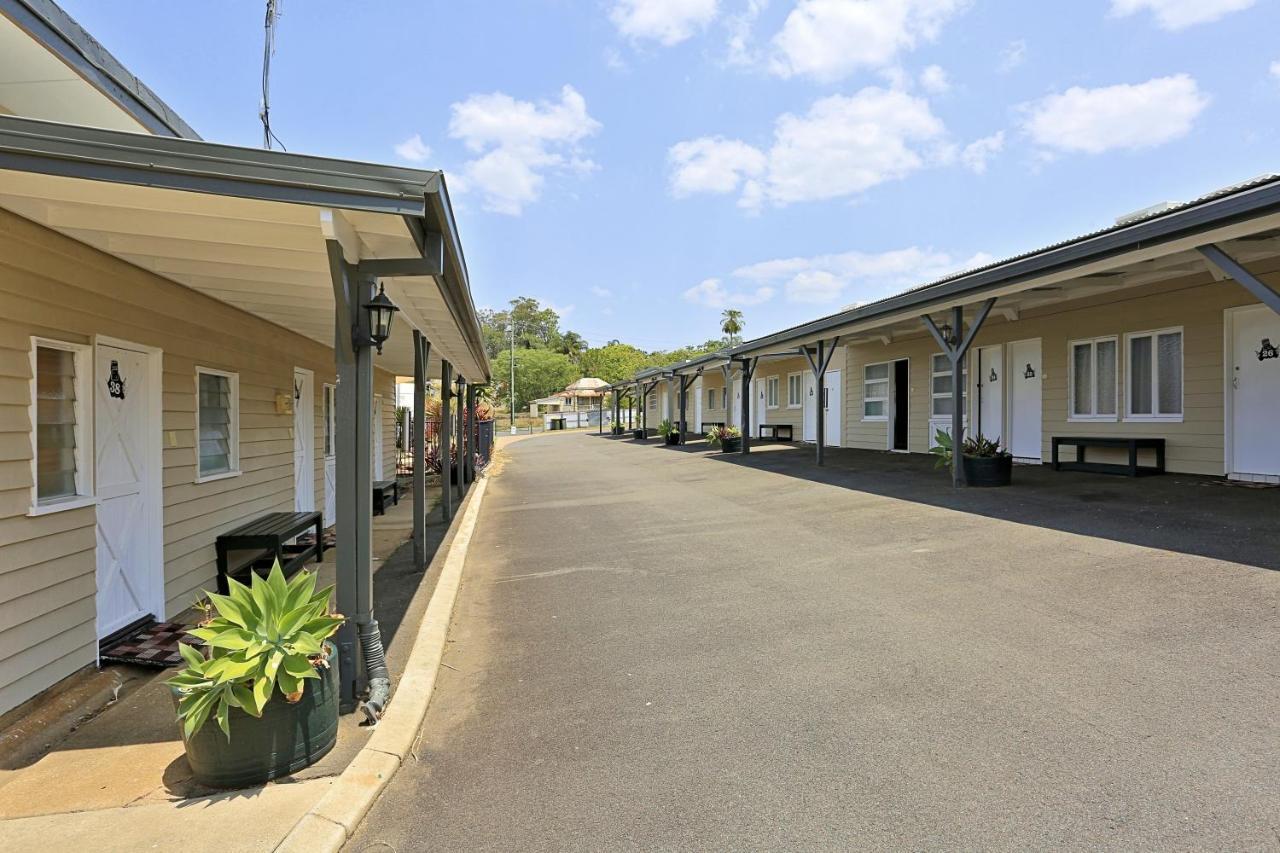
(375,664)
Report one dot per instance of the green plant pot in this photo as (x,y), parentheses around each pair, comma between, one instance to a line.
(285,739)
(985,471)
(730,445)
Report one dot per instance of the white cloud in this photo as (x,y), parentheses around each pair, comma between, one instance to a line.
(518,143)
(740,27)
(841,147)
(1126,116)
(827,279)
(1180,14)
(667,22)
(978,153)
(1013,56)
(602,292)
(934,80)
(830,39)
(413,149)
(561,310)
(712,164)
(712,294)
(1275,69)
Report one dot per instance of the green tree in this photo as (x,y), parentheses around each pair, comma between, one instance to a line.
(573,345)
(731,324)
(536,327)
(613,362)
(539,373)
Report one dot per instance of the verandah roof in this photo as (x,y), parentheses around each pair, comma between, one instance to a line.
(249,227)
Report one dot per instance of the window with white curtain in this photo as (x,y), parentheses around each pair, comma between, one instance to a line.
(1154,375)
(771,386)
(1092,379)
(711,398)
(875,392)
(795,390)
(218,423)
(940,386)
(330,418)
(60,402)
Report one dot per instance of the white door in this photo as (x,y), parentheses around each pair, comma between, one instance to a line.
(831,415)
(986,369)
(304,441)
(735,404)
(664,402)
(809,432)
(130,564)
(1255,391)
(330,415)
(697,405)
(1025,412)
(377,467)
(759,412)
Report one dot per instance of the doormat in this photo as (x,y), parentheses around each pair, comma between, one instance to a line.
(151,644)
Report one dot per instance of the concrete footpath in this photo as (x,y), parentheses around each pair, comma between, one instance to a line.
(102,790)
(665,649)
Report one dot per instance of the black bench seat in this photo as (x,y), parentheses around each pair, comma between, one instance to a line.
(1132,445)
(776,432)
(264,541)
(385,493)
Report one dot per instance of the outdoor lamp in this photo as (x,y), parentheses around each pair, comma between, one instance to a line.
(945,331)
(381,311)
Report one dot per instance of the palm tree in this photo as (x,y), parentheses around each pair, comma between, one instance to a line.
(731,324)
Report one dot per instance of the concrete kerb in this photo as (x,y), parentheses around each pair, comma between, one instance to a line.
(332,820)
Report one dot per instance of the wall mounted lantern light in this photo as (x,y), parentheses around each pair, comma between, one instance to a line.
(381,312)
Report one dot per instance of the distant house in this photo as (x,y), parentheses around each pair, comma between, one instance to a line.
(578,404)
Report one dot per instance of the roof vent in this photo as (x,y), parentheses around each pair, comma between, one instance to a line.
(1146,212)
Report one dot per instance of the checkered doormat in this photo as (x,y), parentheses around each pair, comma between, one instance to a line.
(152,644)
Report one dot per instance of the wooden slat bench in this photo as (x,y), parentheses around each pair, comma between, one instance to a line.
(263,540)
(1132,445)
(776,432)
(382,491)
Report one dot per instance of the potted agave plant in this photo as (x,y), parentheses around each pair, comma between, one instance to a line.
(615,428)
(727,438)
(260,700)
(669,432)
(984,462)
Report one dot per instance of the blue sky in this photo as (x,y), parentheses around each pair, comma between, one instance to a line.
(642,164)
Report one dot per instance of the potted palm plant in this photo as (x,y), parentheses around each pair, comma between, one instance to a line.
(727,438)
(615,428)
(669,432)
(260,700)
(984,462)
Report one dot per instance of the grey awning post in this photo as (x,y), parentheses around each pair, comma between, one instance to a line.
(417,438)
(748,366)
(819,367)
(685,382)
(956,348)
(460,442)
(446,441)
(471,432)
(1229,265)
(354,471)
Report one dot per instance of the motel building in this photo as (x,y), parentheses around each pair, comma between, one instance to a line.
(193,336)
(1153,344)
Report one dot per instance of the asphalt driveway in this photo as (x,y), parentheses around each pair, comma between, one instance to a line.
(658,650)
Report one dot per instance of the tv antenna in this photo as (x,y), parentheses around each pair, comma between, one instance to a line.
(268,50)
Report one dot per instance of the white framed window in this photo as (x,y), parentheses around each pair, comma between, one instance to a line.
(217,424)
(795,390)
(1153,378)
(330,419)
(940,384)
(771,386)
(875,392)
(653,402)
(60,416)
(1092,379)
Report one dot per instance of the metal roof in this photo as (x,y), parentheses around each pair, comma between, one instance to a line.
(1235,203)
(59,33)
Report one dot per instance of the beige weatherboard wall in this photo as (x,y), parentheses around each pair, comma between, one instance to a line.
(1195,305)
(55,289)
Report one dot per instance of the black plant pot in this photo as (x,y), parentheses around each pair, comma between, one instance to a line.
(285,739)
(983,471)
(616,431)
(637,434)
(730,445)
(673,438)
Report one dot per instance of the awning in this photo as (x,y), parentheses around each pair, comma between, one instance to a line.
(249,227)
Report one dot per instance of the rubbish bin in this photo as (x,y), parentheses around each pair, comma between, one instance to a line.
(557,423)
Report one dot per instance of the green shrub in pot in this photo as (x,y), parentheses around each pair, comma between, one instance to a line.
(264,654)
